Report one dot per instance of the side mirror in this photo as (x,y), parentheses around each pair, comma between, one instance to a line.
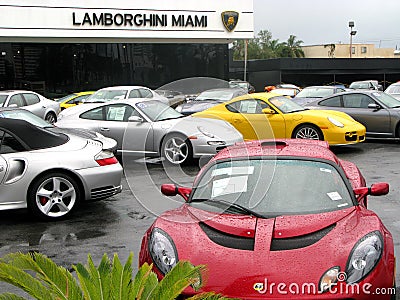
(173,190)
(377,189)
(374,106)
(268,111)
(135,119)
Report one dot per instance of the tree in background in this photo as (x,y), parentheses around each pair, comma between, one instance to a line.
(264,47)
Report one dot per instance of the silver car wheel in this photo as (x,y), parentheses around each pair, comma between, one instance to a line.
(176,150)
(308,132)
(55,197)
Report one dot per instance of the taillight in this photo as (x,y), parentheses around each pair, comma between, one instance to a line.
(105,158)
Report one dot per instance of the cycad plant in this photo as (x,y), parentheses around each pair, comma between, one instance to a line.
(43,279)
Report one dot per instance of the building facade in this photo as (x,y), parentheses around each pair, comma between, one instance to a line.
(57,47)
(343,51)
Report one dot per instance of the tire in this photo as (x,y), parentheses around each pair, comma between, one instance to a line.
(308,131)
(176,149)
(51,117)
(53,196)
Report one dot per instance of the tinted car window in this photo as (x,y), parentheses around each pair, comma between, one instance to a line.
(134,94)
(94,114)
(3,99)
(77,99)
(10,144)
(334,102)
(146,93)
(31,98)
(357,101)
(16,100)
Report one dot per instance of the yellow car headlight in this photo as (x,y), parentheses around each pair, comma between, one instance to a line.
(335,122)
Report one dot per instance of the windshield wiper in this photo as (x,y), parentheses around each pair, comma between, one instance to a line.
(228,204)
(171,118)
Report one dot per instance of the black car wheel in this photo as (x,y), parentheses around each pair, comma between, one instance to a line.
(51,117)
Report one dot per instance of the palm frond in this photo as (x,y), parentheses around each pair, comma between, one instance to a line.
(85,281)
(145,281)
(59,279)
(121,279)
(21,279)
(210,296)
(182,275)
(9,296)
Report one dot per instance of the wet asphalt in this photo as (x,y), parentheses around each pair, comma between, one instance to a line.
(116,225)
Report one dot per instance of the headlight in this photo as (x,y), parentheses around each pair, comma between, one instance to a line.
(162,250)
(205,132)
(329,279)
(335,122)
(364,257)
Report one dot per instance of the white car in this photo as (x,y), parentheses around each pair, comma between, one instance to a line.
(39,105)
(152,128)
(124,92)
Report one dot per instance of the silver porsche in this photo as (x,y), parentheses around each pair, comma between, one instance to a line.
(51,171)
(152,128)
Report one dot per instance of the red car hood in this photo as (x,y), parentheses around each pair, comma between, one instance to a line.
(240,251)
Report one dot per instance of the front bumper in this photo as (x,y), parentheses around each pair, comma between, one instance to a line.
(345,136)
(203,146)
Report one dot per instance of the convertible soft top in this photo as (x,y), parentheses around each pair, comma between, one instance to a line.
(31,136)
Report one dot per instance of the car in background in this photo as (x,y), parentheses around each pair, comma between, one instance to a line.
(124,92)
(257,206)
(22,114)
(366,85)
(50,173)
(290,92)
(394,90)
(39,105)
(377,111)
(245,85)
(312,93)
(73,99)
(208,99)
(267,115)
(175,98)
(152,128)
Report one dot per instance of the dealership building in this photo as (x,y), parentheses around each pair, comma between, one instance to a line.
(62,46)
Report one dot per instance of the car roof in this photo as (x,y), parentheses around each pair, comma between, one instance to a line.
(123,87)
(32,136)
(321,86)
(279,147)
(15,91)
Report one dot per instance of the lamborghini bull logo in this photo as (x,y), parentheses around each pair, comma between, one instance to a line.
(230,19)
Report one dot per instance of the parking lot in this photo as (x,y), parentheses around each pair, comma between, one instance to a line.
(117,224)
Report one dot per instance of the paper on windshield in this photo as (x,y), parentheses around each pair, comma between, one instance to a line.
(230,185)
(233,171)
(116,113)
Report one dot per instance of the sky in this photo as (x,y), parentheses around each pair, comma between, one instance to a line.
(317,22)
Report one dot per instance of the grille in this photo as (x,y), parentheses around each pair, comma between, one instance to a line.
(300,241)
(228,240)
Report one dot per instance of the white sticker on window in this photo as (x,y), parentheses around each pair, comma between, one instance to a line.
(116,113)
(335,196)
(325,170)
(233,171)
(230,185)
(342,205)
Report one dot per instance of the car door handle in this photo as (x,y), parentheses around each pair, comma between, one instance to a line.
(43,106)
(237,120)
(104,129)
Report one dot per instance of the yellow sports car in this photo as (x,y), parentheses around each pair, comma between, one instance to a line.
(267,115)
(73,99)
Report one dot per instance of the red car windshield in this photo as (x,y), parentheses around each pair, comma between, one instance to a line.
(273,187)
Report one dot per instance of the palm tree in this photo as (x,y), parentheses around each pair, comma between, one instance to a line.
(110,280)
(292,48)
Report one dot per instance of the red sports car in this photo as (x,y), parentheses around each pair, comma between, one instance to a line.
(278,219)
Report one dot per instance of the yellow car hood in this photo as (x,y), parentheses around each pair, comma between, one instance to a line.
(316,114)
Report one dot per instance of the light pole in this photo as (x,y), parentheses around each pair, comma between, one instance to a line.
(352,32)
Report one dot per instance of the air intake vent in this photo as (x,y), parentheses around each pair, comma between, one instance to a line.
(300,241)
(228,240)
